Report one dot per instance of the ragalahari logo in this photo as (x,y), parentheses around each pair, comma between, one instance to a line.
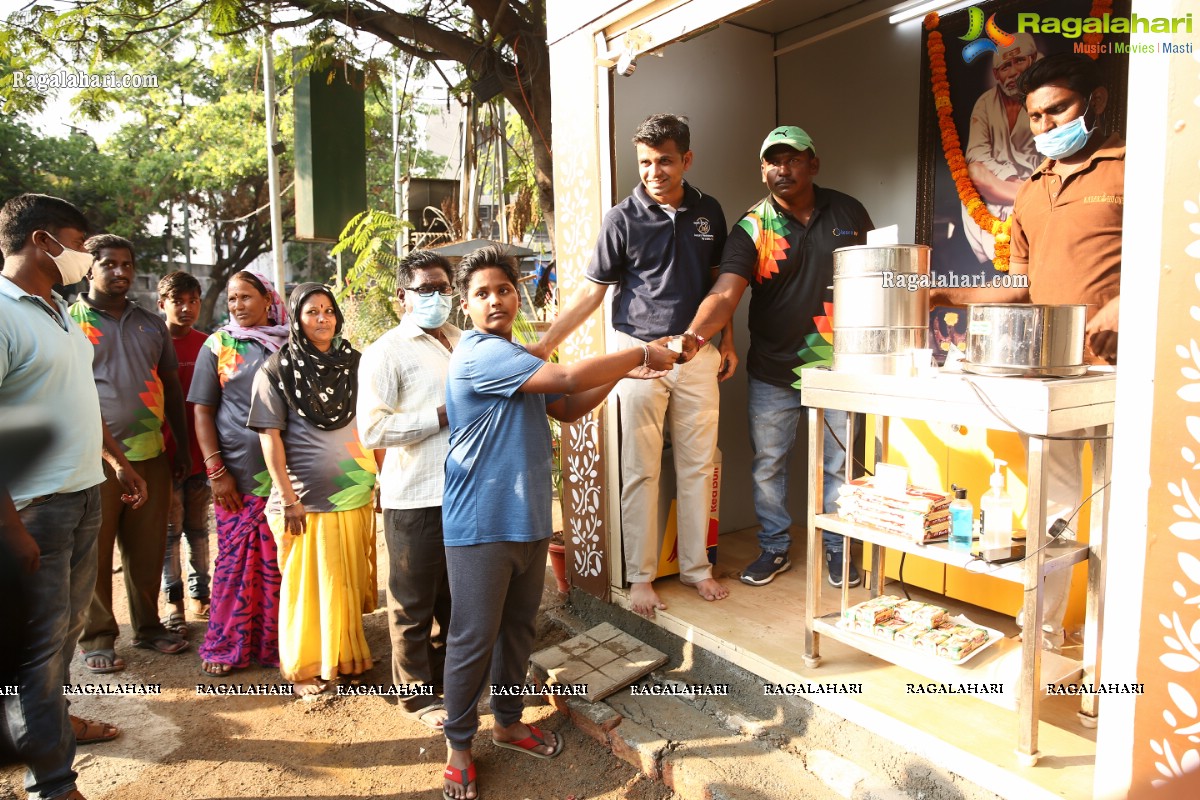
(976,46)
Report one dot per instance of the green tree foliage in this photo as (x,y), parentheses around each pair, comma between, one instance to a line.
(368,293)
(197,137)
(499,43)
(414,159)
(71,167)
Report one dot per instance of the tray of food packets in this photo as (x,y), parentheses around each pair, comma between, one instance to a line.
(918,627)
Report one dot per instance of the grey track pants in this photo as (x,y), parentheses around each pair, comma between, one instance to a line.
(497,588)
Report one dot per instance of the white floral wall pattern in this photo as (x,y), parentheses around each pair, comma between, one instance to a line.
(578,213)
(1178,753)
(1167,719)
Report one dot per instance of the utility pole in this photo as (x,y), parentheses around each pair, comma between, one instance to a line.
(187,235)
(273,162)
(399,179)
(469,196)
(187,222)
(502,167)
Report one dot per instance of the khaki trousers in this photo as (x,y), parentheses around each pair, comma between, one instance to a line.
(688,397)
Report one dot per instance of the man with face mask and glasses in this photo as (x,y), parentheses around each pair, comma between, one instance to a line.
(50,513)
(1066,236)
(402,407)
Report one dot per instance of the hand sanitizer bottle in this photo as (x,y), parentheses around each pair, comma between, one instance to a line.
(996,513)
(961,517)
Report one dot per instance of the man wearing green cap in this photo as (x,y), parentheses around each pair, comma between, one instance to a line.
(783,249)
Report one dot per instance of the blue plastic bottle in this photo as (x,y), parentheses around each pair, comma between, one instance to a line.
(961,517)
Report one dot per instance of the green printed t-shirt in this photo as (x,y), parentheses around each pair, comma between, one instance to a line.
(789,267)
(329,470)
(223,379)
(128,353)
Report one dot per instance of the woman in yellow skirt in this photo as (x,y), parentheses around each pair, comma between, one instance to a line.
(320,508)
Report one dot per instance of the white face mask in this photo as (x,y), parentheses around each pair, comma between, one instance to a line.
(432,311)
(72,264)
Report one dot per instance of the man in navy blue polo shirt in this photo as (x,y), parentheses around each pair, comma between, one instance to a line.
(659,249)
(783,249)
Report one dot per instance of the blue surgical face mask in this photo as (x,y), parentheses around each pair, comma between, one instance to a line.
(1065,140)
(432,311)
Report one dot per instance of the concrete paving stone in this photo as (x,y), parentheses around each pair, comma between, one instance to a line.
(579,644)
(639,746)
(551,657)
(570,673)
(623,644)
(647,656)
(621,672)
(605,631)
(598,656)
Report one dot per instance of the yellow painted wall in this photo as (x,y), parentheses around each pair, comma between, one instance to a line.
(938,454)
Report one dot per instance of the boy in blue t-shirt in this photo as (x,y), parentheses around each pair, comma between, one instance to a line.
(496,507)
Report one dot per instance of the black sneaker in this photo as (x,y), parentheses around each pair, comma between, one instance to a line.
(765,568)
(833,569)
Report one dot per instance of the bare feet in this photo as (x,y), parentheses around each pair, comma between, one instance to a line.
(644,599)
(526,738)
(308,688)
(458,781)
(710,589)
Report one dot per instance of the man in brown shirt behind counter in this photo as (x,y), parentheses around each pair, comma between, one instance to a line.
(1066,236)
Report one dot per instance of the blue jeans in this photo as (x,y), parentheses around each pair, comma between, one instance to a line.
(36,720)
(775,414)
(191,505)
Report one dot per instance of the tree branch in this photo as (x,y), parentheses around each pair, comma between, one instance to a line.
(394,27)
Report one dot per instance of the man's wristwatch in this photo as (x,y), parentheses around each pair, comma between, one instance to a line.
(700,340)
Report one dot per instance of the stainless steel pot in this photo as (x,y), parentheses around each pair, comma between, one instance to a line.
(1025,339)
(880,307)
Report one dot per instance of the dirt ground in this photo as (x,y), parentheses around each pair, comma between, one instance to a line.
(179,744)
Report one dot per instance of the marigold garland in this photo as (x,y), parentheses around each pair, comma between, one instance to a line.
(968,195)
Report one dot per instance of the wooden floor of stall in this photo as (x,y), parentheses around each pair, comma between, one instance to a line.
(761,629)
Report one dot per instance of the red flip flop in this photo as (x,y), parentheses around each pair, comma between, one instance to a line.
(535,739)
(462,778)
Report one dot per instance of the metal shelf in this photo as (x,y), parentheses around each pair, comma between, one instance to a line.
(1036,406)
(999,664)
(1057,555)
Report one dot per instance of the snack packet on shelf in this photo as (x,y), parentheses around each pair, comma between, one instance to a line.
(868,613)
(887,630)
(930,616)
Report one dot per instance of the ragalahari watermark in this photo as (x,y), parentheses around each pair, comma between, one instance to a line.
(43,82)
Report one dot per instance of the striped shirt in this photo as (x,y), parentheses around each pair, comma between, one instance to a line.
(401,384)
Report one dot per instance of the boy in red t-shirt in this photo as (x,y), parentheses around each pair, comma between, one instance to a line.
(191,501)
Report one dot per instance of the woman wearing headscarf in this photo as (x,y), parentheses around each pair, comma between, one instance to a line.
(243,617)
(320,508)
